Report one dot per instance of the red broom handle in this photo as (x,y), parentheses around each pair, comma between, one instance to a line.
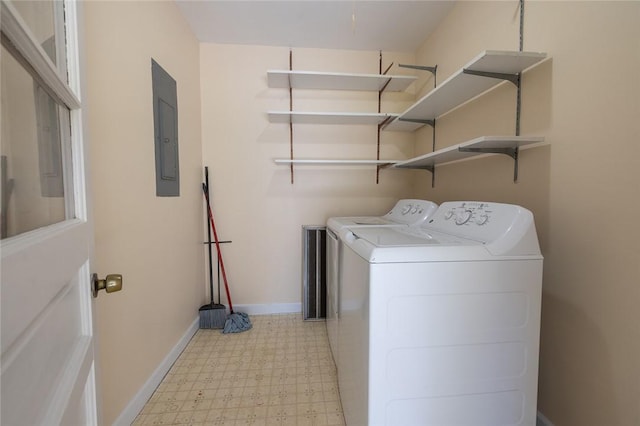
(215,237)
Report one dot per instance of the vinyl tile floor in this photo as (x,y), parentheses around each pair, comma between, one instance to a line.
(280,372)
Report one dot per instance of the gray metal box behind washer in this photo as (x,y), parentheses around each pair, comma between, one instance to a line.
(314,283)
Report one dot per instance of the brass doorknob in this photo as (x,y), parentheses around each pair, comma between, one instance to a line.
(113,282)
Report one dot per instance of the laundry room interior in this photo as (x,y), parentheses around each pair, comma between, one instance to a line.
(580,180)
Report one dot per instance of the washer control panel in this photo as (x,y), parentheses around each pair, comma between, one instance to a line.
(482,221)
(469,212)
(411,212)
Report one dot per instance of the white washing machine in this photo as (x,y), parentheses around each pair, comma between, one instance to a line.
(406,212)
(439,324)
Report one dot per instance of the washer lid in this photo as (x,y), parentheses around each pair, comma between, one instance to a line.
(407,237)
(405,212)
(338,223)
(370,221)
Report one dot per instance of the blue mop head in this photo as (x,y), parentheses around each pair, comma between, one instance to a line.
(237,322)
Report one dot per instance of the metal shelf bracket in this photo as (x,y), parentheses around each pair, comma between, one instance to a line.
(513,78)
(431,168)
(511,152)
(432,70)
(430,122)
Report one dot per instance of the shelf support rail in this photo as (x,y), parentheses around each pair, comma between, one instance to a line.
(290,120)
(518,106)
(511,152)
(430,122)
(381,166)
(386,120)
(521,41)
(386,84)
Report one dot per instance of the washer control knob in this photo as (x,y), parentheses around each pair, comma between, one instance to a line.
(463,217)
(406,209)
(482,219)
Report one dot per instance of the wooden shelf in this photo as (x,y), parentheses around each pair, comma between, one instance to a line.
(335,162)
(463,86)
(478,146)
(338,81)
(328,117)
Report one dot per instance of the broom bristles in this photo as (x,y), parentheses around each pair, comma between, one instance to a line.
(213,316)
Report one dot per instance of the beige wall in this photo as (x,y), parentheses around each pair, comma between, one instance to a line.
(582,185)
(254,203)
(584,100)
(155,242)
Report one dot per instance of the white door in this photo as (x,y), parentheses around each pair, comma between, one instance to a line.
(47,340)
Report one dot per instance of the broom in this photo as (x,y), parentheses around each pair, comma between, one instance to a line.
(236,321)
(212,315)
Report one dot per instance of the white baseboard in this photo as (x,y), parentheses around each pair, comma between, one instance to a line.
(271,308)
(541,420)
(136,405)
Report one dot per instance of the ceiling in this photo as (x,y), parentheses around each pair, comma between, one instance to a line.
(387,25)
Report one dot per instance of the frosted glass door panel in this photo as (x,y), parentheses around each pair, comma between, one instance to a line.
(45,21)
(35,151)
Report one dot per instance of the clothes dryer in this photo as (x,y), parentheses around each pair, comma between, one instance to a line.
(406,212)
(439,324)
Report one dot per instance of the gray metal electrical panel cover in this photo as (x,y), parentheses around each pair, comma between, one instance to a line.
(165,123)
